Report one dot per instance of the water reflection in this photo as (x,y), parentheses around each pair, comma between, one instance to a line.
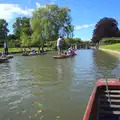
(107,64)
(84,70)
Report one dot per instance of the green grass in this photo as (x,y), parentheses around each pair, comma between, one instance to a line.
(111,47)
(11,49)
(20,49)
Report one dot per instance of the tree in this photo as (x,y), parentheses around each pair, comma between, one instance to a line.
(73,41)
(12,40)
(50,22)
(106,27)
(25,40)
(17,27)
(11,37)
(64,20)
(40,32)
(118,33)
(3,31)
(22,30)
(25,26)
(26,32)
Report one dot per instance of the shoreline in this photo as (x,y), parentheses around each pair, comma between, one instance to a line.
(113,52)
(20,52)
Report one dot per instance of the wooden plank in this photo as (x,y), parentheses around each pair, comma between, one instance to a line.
(112,91)
(108,116)
(107,105)
(110,112)
(107,100)
(106,95)
(98,109)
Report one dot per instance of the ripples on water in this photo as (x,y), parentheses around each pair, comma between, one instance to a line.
(42,88)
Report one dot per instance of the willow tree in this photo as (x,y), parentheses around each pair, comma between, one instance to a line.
(50,22)
(41,31)
(25,40)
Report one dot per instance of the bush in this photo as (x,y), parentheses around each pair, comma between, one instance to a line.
(11,44)
(51,44)
(107,41)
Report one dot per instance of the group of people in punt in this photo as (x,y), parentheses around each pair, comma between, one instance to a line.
(70,51)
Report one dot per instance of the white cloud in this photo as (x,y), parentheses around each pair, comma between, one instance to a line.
(53,2)
(39,6)
(79,27)
(8,10)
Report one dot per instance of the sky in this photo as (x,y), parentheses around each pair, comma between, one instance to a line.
(85,13)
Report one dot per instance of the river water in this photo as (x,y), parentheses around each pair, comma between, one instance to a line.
(43,88)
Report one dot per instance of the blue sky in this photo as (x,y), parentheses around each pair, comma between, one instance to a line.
(85,13)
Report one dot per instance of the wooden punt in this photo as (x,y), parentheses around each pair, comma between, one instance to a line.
(2,60)
(35,54)
(25,54)
(63,56)
(104,102)
(9,56)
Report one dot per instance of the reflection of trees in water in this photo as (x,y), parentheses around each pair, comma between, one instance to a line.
(105,64)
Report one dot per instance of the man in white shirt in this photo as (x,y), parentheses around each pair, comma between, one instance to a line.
(59,45)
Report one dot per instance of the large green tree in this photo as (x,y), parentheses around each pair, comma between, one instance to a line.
(22,30)
(50,22)
(17,27)
(106,27)
(26,32)
(3,31)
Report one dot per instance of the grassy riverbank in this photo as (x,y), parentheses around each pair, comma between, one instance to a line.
(12,50)
(113,47)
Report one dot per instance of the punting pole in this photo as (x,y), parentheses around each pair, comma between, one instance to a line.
(107,89)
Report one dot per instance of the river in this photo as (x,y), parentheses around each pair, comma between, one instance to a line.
(43,88)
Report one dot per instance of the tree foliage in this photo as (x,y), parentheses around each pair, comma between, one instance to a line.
(50,22)
(25,40)
(106,27)
(112,40)
(25,26)
(22,30)
(11,37)
(3,31)
(118,33)
(72,41)
(17,27)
